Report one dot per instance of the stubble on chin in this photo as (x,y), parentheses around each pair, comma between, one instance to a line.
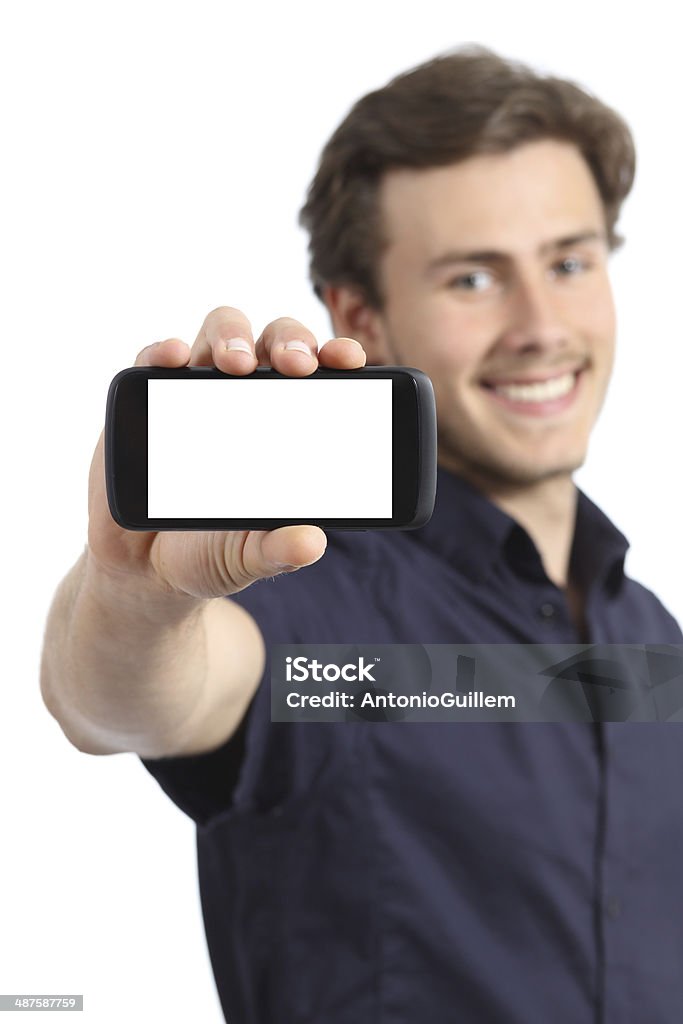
(488,472)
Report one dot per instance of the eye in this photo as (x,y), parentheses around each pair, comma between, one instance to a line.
(571,265)
(474,281)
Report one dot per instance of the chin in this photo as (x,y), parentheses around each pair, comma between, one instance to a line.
(518,472)
(538,471)
(509,463)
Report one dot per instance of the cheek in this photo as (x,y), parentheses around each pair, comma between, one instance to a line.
(604,315)
(451,345)
(596,317)
(601,329)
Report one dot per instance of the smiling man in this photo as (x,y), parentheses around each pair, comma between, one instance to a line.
(461,221)
(515,324)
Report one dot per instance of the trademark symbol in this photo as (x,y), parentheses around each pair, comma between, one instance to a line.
(377,659)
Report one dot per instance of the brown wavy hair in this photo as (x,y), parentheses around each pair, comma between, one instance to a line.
(464,103)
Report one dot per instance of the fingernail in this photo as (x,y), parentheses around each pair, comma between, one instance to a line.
(238,345)
(298,346)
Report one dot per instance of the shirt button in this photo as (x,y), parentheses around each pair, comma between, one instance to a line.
(613,908)
(547,610)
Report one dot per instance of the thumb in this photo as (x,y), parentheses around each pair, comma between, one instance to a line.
(207,565)
(267,553)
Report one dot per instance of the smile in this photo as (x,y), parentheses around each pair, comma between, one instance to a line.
(539,397)
(539,391)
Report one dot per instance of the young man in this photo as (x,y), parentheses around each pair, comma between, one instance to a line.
(461,221)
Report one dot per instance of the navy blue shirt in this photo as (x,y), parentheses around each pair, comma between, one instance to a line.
(375,873)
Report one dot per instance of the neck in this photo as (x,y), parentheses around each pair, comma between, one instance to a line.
(546,510)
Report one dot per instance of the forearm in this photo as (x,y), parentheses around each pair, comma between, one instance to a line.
(127,667)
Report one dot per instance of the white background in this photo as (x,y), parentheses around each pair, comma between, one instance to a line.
(155,155)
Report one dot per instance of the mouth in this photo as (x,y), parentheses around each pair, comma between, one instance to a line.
(537,396)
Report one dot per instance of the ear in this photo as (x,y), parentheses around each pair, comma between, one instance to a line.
(352,317)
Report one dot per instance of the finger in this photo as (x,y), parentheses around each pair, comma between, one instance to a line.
(220,564)
(226,341)
(284,549)
(172,352)
(242,558)
(269,553)
(288,347)
(342,354)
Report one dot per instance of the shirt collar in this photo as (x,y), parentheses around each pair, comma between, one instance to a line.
(472,534)
(599,548)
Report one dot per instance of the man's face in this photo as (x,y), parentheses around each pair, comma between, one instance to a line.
(495,277)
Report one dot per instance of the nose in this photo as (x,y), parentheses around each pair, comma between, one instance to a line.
(534,323)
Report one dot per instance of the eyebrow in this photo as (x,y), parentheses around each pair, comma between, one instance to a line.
(496,256)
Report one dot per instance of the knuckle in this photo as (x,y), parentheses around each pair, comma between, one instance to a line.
(287,323)
(230,563)
(286,329)
(221,312)
(223,316)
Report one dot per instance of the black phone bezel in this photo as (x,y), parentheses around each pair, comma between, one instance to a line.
(413,455)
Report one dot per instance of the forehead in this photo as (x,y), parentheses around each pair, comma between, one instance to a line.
(503,201)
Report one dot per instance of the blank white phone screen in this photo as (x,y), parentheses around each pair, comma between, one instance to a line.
(292,448)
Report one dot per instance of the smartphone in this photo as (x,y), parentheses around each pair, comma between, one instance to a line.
(198,449)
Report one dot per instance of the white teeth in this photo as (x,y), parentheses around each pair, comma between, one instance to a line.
(541,391)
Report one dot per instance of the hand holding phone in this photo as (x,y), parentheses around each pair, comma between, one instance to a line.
(212,563)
